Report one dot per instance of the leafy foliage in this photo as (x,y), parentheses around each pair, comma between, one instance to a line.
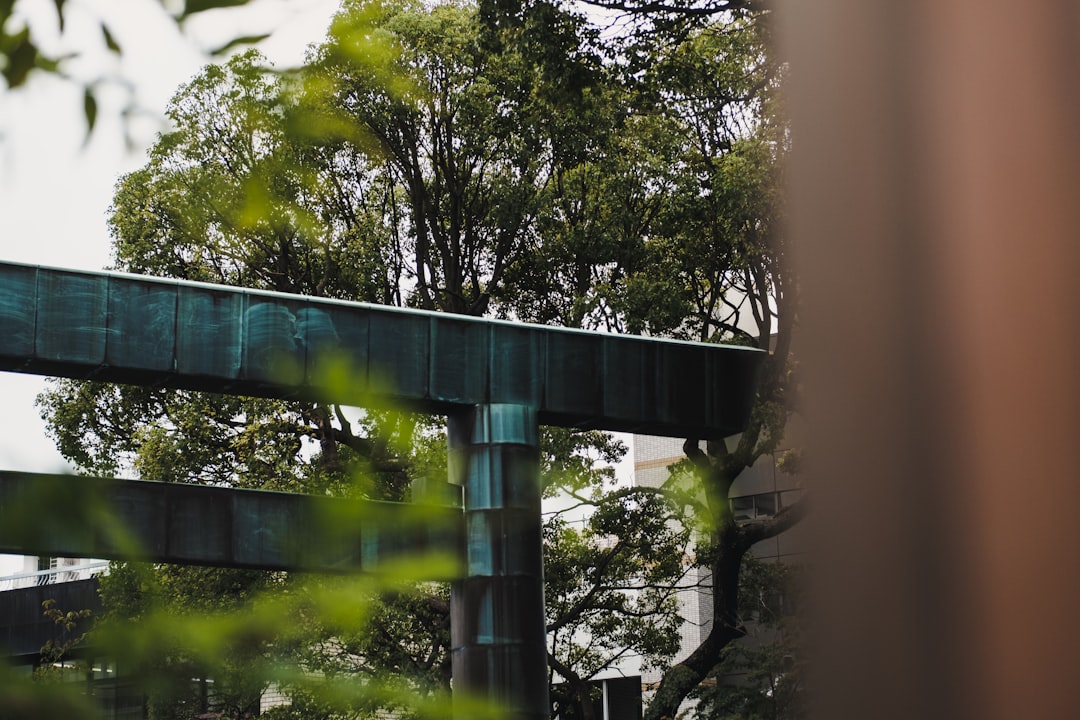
(320,640)
(24,54)
(56,651)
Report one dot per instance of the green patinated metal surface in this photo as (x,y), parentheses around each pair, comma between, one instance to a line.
(68,516)
(138,330)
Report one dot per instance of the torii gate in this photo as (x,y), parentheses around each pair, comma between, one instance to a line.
(495,381)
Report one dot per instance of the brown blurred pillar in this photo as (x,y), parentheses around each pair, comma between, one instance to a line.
(936,209)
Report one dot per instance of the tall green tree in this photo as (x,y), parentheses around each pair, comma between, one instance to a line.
(689,192)
(722,234)
(466,145)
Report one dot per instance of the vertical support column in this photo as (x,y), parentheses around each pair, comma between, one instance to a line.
(498,637)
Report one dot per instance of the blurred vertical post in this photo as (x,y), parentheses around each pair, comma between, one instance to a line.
(935,205)
(498,628)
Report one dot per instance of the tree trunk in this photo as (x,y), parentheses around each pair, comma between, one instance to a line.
(579,688)
(683,677)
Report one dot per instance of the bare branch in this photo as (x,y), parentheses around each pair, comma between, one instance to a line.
(657,7)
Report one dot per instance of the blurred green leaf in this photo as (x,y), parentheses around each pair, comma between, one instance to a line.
(90,109)
(110,41)
(24,699)
(21,54)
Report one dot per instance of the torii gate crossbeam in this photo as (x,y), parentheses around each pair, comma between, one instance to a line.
(151,331)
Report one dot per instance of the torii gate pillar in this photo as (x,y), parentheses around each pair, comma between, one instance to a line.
(498,636)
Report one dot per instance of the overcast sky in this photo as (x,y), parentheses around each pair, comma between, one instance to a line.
(55,188)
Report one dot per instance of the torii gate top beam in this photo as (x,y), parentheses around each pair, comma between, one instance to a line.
(133,329)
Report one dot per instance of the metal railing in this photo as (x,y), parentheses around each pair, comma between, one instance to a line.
(59,574)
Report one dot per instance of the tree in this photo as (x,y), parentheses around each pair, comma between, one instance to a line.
(734,267)
(694,197)
(177,678)
(725,240)
(476,141)
(465,147)
(610,590)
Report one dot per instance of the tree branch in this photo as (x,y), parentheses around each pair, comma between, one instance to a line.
(656,7)
(585,602)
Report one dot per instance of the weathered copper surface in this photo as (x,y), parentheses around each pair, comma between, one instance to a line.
(70,516)
(139,330)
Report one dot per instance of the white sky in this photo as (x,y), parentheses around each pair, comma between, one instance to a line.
(55,188)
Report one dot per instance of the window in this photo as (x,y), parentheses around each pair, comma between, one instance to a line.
(752,507)
(45,564)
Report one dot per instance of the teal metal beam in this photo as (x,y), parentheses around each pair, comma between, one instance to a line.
(151,331)
(73,516)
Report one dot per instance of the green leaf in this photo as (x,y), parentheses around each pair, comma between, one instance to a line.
(90,109)
(243,40)
(110,41)
(21,55)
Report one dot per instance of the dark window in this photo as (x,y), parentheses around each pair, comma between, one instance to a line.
(743,508)
(45,563)
(766,504)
